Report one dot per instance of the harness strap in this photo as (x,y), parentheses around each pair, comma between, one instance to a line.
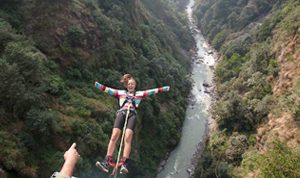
(114,164)
(127,100)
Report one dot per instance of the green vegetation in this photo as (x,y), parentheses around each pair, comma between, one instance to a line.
(52,52)
(217,19)
(280,162)
(251,37)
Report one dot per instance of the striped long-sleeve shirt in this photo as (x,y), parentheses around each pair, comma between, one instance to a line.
(139,95)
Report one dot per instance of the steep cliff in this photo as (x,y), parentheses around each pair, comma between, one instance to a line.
(52,52)
(257,113)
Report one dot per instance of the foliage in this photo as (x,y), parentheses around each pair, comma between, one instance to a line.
(23,78)
(74,35)
(229,68)
(219,39)
(51,53)
(218,142)
(249,162)
(42,123)
(246,75)
(281,161)
(237,146)
(12,158)
(211,163)
(239,47)
(291,103)
(232,113)
(206,165)
(273,67)
(213,17)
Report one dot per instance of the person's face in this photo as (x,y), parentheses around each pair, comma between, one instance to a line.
(131,86)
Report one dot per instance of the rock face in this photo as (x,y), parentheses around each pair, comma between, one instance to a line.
(161,166)
(163,163)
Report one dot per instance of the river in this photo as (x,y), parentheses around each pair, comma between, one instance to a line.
(197,112)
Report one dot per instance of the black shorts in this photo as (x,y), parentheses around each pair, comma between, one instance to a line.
(121,117)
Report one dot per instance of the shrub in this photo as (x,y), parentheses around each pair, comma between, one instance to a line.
(237,146)
(273,67)
(74,35)
(219,39)
(206,165)
(41,122)
(231,112)
(230,68)
(281,161)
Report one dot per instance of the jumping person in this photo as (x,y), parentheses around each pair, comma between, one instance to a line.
(127,98)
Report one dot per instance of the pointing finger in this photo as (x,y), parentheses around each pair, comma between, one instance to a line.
(73,146)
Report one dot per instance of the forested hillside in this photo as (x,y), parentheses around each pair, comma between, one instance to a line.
(258,79)
(52,52)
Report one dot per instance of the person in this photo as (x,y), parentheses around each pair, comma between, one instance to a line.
(71,157)
(131,99)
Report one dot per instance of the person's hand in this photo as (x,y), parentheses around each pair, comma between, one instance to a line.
(96,83)
(168,88)
(71,156)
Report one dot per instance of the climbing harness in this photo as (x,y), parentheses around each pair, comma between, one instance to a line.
(117,165)
(127,100)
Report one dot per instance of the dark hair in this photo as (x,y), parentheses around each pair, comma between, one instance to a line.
(126,78)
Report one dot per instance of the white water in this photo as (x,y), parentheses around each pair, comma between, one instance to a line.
(196,114)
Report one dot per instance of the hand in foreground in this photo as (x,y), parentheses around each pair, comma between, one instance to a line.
(71,157)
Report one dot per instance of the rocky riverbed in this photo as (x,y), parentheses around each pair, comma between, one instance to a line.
(210,123)
(181,161)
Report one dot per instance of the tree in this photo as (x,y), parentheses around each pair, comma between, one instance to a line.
(231,112)
(23,78)
(237,146)
(74,35)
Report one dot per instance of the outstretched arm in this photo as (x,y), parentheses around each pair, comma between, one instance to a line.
(106,89)
(155,90)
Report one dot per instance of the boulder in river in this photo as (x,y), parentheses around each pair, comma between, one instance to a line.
(189,170)
(206,84)
(206,91)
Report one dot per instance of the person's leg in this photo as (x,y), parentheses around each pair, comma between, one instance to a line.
(127,142)
(129,134)
(105,164)
(113,141)
(118,125)
(127,149)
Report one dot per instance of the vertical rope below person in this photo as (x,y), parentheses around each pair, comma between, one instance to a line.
(122,139)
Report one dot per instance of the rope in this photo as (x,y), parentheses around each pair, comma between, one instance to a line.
(122,139)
